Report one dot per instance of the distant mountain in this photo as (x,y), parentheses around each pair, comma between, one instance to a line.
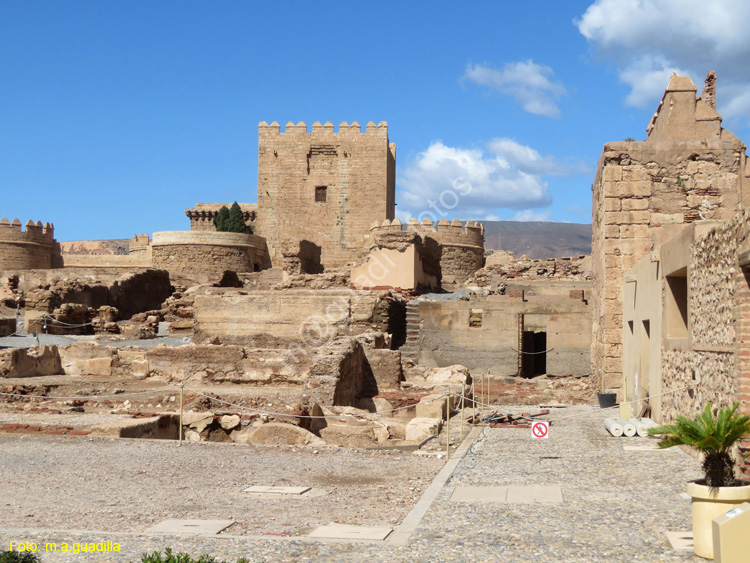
(111,246)
(538,239)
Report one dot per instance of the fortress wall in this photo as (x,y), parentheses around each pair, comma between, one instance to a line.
(191,252)
(462,246)
(27,249)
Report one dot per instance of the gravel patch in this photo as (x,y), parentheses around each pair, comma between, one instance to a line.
(616,506)
(54,340)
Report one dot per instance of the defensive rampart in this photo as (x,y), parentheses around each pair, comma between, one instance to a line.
(191,252)
(462,246)
(34,248)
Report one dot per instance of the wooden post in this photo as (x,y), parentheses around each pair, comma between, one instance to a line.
(463,394)
(182,388)
(447,427)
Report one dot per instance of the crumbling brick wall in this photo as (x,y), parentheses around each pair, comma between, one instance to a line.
(324,187)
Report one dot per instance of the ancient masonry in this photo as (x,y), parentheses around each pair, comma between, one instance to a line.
(190,252)
(687,169)
(462,246)
(140,245)
(322,187)
(29,249)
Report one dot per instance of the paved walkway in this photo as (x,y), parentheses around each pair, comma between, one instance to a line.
(616,506)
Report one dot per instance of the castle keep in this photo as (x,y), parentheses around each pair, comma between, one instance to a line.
(324,187)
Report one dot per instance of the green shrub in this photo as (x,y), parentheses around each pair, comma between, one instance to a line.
(231,220)
(711,435)
(169,557)
(18,557)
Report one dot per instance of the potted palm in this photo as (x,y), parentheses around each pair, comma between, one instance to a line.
(716,494)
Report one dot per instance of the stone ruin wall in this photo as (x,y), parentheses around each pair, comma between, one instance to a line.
(689,168)
(503,266)
(31,248)
(712,363)
(203,252)
(461,246)
(355,170)
(643,194)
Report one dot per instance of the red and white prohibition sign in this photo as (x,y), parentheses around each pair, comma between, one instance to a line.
(540,429)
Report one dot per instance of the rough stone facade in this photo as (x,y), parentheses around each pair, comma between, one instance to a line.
(687,334)
(502,266)
(524,332)
(29,249)
(687,169)
(191,252)
(301,320)
(324,187)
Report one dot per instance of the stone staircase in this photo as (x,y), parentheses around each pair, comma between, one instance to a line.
(410,350)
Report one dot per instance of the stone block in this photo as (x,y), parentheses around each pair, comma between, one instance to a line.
(419,429)
(432,406)
(612,173)
(612,204)
(634,204)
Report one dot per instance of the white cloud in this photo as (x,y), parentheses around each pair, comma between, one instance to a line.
(531,215)
(463,183)
(527,82)
(649,39)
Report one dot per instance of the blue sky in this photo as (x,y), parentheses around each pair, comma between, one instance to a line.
(116,116)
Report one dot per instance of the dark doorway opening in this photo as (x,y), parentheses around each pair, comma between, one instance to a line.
(534,359)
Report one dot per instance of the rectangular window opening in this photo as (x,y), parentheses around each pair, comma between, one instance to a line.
(677,305)
(475,318)
(321,193)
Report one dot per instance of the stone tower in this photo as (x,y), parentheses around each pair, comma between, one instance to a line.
(319,191)
(688,169)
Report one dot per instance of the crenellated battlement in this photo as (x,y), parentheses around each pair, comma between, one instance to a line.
(203,214)
(446,232)
(139,243)
(28,247)
(324,129)
(462,244)
(33,233)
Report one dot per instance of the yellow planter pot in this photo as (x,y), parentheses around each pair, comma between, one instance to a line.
(707,504)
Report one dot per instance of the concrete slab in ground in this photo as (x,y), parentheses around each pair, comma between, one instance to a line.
(535,493)
(191,526)
(347,532)
(527,494)
(646,448)
(262,489)
(480,494)
(680,541)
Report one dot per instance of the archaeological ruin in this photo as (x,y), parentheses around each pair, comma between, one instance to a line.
(346,327)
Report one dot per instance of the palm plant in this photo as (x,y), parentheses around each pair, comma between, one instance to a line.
(711,435)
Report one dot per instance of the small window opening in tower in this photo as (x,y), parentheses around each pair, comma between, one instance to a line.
(320,193)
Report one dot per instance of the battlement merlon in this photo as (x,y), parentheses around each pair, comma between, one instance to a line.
(471,233)
(324,130)
(36,233)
